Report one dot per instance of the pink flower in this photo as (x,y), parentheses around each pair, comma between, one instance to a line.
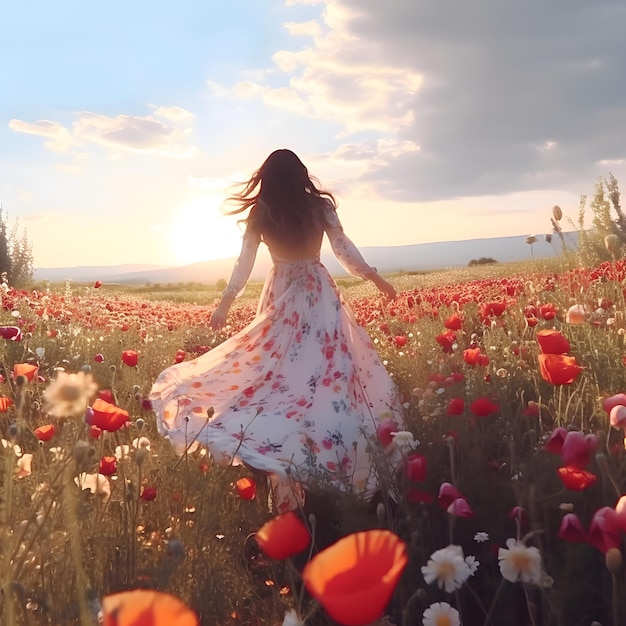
(575,451)
(460,508)
(604,530)
(448,493)
(571,529)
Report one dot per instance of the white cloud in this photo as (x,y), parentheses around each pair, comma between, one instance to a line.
(123,132)
(173,113)
(59,138)
(311,28)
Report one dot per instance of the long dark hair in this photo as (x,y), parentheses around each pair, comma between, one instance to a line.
(285,202)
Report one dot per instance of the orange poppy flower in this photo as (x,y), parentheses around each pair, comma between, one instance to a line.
(283,536)
(552,342)
(576,479)
(354,578)
(5,403)
(45,433)
(559,369)
(28,370)
(246,488)
(107,416)
(146,607)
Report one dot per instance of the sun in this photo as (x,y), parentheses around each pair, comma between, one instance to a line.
(201,232)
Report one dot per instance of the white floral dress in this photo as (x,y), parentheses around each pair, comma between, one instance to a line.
(298,393)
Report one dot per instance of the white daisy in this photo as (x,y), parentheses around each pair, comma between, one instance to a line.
(520,562)
(448,567)
(481,537)
(69,394)
(441,614)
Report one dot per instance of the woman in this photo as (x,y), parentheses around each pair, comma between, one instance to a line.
(300,391)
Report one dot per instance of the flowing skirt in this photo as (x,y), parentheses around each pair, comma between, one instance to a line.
(298,393)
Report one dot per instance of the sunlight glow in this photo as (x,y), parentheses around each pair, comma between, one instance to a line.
(201,232)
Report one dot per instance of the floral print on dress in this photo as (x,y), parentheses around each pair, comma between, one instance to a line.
(298,393)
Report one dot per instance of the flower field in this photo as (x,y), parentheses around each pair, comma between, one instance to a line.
(507,508)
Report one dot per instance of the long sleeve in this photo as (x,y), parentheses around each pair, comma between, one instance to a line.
(243,266)
(346,252)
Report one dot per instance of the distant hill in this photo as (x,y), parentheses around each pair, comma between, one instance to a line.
(387,259)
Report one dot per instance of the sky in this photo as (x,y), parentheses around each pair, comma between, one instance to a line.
(124,125)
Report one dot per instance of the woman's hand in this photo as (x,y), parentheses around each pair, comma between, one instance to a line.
(218,319)
(386,287)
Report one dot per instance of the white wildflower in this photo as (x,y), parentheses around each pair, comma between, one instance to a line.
(96,483)
(69,394)
(481,537)
(441,614)
(520,562)
(404,440)
(448,567)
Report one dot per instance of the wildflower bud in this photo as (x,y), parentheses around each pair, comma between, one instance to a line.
(112,368)
(85,368)
(210,412)
(81,453)
(566,507)
(139,397)
(13,432)
(140,456)
(136,389)
(613,560)
(556,212)
(20,381)
(140,423)
(381,512)
(175,549)
(502,373)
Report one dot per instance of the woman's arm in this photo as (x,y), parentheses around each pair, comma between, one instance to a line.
(238,279)
(349,256)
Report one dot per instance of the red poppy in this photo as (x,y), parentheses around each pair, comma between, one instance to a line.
(180,356)
(400,341)
(130,358)
(94,432)
(547,311)
(107,416)
(5,403)
(45,433)
(148,494)
(454,322)
(28,370)
(456,406)
(384,430)
(446,340)
(575,451)
(559,369)
(482,407)
(99,358)
(552,342)
(106,395)
(108,466)
(283,536)
(492,309)
(576,479)
(246,488)
(604,530)
(10,333)
(556,439)
(460,508)
(571,529)
(97,284)
(473,357)
(146,607)
(354,578)
(416,468)
(619,399)
(448,493)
